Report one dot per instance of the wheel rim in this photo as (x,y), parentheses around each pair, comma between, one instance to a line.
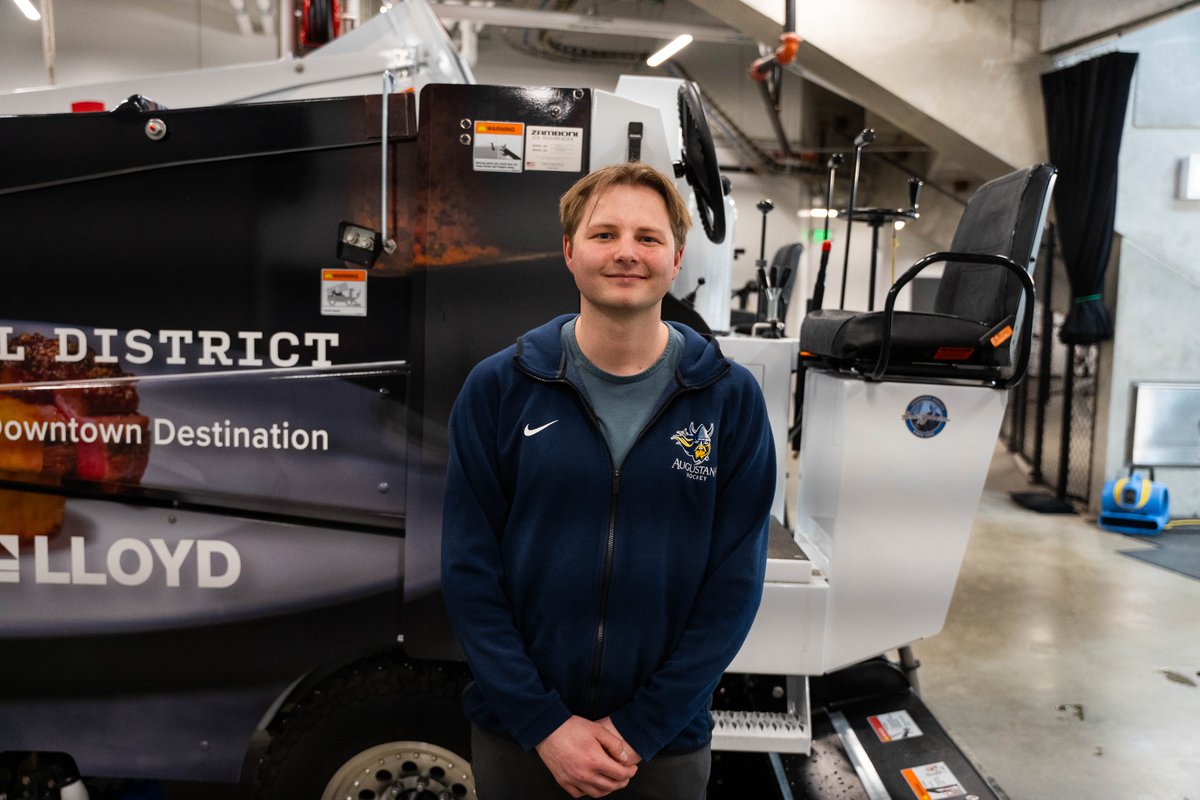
(403,771)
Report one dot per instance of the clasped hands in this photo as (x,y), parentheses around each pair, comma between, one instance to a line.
(589,759)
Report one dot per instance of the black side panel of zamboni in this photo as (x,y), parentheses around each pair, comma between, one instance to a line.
(227,224)
(488,249)
(288,561)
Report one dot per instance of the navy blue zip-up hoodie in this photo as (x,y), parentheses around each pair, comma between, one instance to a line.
(576,588)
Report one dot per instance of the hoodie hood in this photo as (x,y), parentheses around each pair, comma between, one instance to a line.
(539,352)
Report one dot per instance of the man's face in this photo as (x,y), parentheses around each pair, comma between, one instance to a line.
(623,255)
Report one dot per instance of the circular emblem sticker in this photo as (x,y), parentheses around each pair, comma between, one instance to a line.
(925,416)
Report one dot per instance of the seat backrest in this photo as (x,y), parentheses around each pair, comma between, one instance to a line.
(1004,217)
(788,257)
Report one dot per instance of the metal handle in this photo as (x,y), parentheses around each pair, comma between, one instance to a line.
(862,140)
(1026,329)
(914,193)
(389,86)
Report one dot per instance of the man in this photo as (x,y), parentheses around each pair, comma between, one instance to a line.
(605,522)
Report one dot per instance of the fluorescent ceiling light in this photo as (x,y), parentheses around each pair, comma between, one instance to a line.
(28,10)
(671,49)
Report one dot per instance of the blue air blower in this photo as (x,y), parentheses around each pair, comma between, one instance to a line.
(1134,504)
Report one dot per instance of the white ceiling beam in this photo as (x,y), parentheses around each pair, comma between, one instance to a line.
(508,17)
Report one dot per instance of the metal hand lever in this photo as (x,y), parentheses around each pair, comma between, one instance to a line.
(818,295)
(765,206)
(389,86)
(862,140)
(914,193)
(767,281)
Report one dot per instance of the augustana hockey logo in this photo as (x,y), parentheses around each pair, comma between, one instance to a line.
(697,442)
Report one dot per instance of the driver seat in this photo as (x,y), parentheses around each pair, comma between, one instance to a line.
(986,287)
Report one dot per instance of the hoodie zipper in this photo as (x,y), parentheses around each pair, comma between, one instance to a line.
(606,580)
(610,545)
(605,587)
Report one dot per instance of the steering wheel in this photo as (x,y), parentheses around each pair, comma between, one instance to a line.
(700,162)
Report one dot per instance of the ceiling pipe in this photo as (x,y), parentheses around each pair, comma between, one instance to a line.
(468,33)
(49,46)
(768,72)
(240,15)
(266,16)
(287,29)
(351,16)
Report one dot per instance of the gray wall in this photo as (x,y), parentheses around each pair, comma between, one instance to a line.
(100,41)
(1157,278)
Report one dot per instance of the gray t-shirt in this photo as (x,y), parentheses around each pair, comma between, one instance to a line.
(624,403)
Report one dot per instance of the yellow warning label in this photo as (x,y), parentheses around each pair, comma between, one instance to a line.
(344,275)
(344,292)
(507,128)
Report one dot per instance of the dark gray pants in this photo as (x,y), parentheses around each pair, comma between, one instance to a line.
(504,771)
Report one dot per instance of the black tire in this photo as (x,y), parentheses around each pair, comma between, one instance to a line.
(319,23)
(382,723)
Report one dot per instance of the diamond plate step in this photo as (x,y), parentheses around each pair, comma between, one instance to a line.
(761,732)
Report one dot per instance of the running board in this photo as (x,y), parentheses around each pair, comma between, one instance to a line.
(761,732)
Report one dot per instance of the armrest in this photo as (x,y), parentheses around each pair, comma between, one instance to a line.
(1025,343)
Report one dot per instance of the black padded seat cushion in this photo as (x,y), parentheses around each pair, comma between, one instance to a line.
(1003,217)
(916,336)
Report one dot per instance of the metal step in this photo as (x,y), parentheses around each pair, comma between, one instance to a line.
(761,732)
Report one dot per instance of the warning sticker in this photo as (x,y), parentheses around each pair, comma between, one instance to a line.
(1003,336)
(554,149)
(499,146)
(894,726)
(933,781)
(953,353)
(343,292)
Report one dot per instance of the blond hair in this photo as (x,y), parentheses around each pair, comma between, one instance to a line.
(634,173)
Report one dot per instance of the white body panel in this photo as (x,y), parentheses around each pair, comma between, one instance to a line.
(788,636)
(772,362)
(611,115)
(883,516)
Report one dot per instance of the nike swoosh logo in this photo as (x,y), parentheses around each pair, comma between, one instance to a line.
(535,431)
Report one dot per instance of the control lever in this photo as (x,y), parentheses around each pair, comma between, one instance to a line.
(768,282)
(914,193)
(818,295)
(862,140)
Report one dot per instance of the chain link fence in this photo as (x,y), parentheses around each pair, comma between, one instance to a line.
(1051,416)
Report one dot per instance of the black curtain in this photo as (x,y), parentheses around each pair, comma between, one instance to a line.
(1085,117)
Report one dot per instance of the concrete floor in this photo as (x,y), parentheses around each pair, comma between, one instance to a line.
(1065,669)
